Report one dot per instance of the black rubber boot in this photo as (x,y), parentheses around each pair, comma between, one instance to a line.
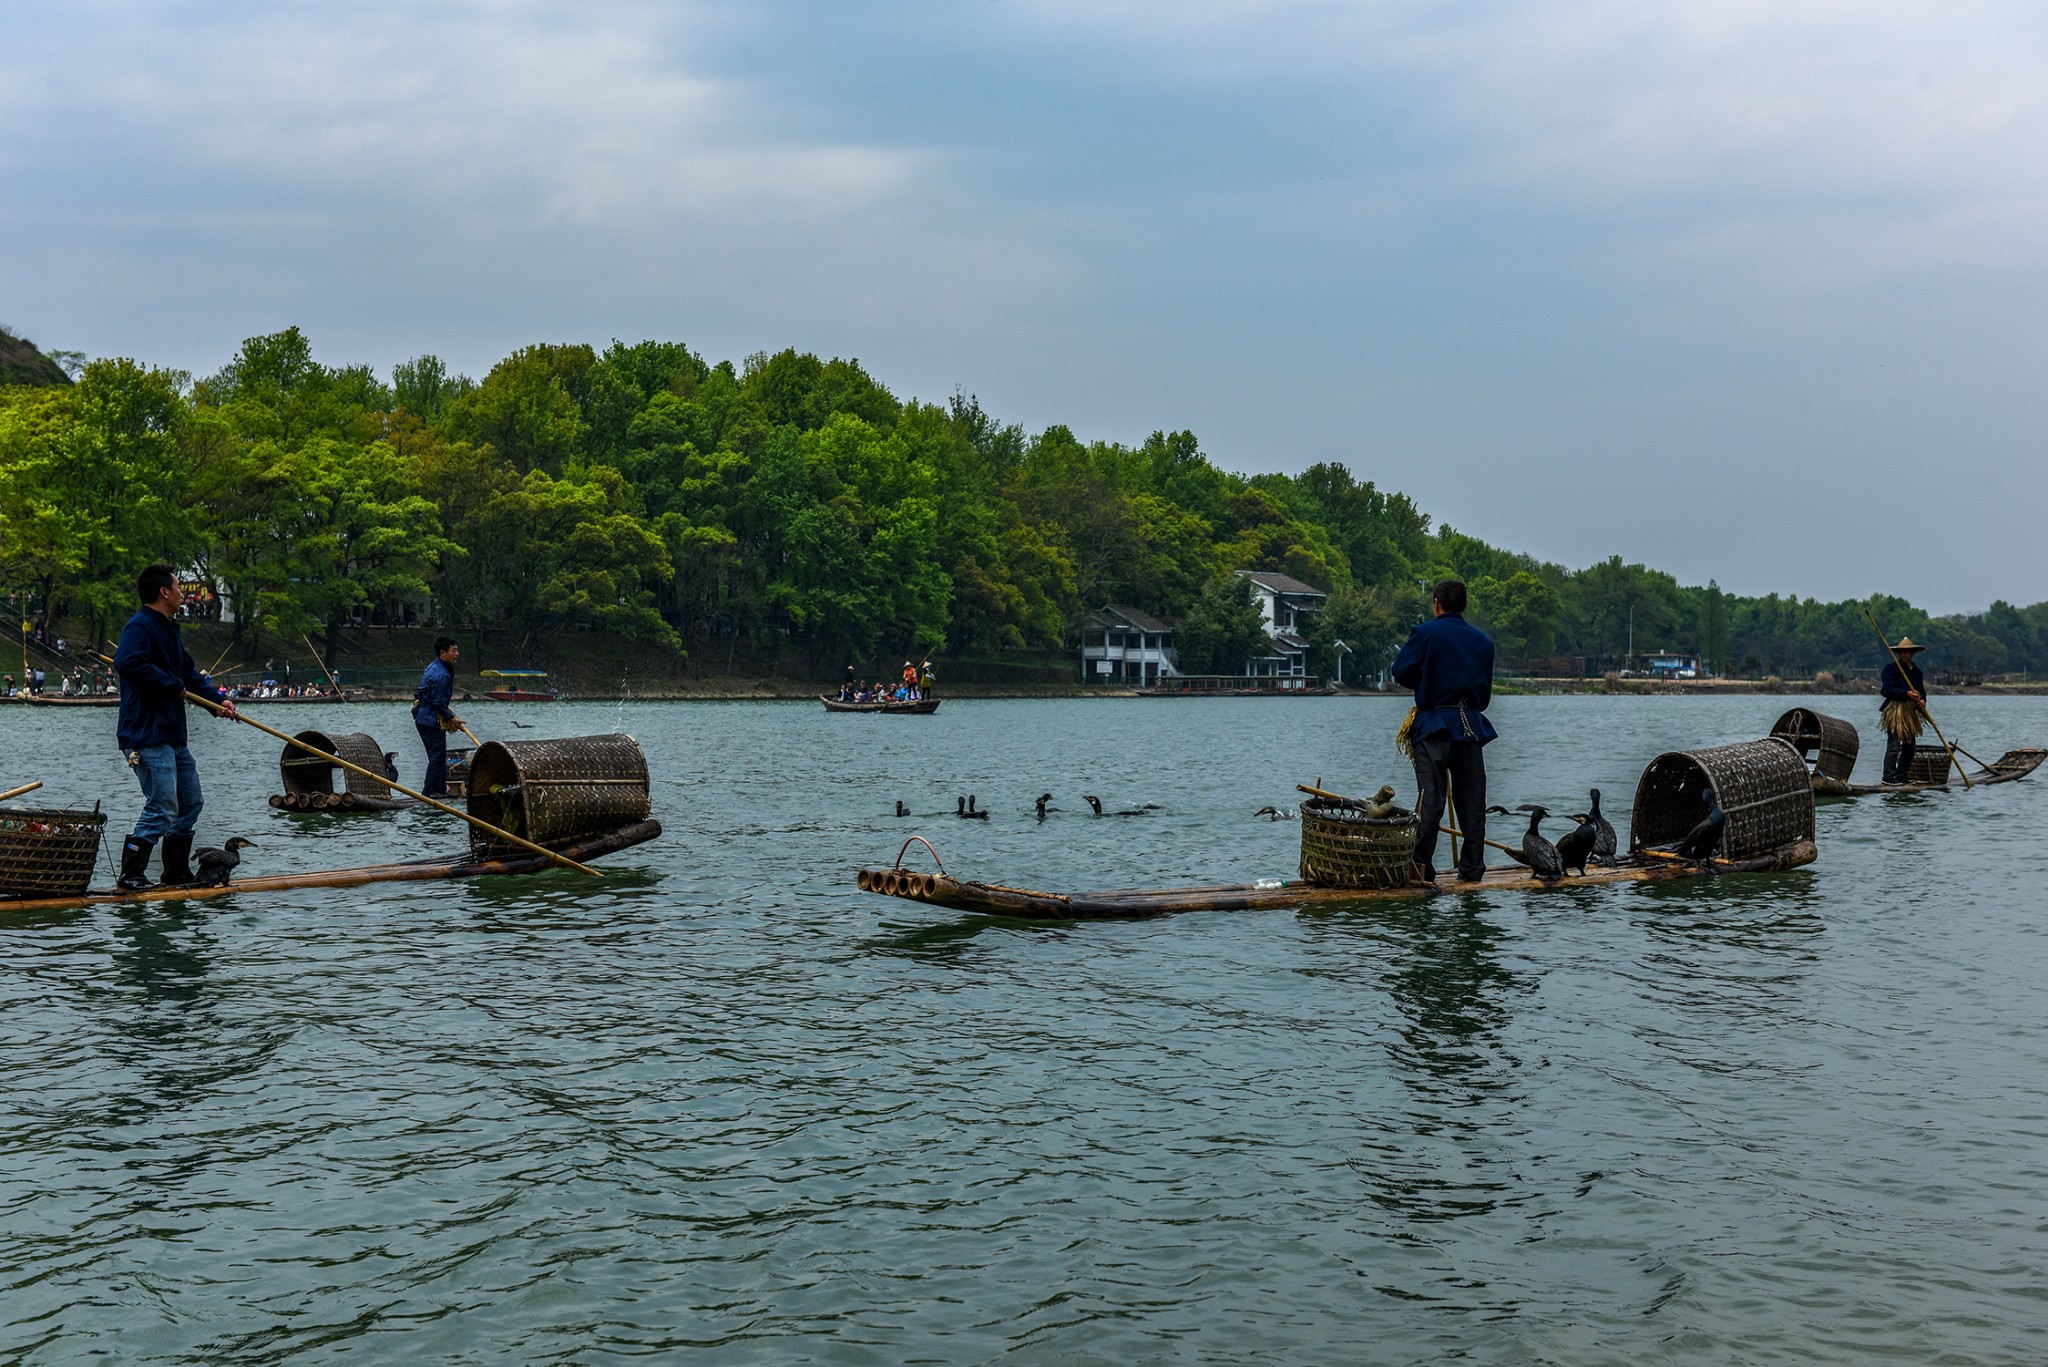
(178,860)
(134,865)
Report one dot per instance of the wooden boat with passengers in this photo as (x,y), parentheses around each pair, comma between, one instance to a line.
(1761,787)
(1829,746)
(920,707)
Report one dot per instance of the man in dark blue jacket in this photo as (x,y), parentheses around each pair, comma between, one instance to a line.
(1904,711)
(431,714)
(156,671)
(1449,664)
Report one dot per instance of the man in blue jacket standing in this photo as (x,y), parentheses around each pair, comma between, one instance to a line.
(1904,712)
(156,672)
(1449,664)
(431,714)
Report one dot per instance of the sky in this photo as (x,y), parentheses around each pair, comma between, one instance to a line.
(1752,292)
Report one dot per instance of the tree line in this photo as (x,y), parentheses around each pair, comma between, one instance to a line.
(644,491)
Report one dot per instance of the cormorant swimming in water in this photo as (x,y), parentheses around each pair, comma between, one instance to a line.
(964,807)
(1276,813)
(215,867)
(1541,855)
(1140,810)
(1603,834)
(1043,798)
(1575,846)
(901,810)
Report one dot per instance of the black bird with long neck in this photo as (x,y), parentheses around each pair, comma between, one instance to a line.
(1603,833)
(1540,855)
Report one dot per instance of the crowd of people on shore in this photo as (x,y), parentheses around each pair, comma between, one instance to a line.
(76,682)
(917,684)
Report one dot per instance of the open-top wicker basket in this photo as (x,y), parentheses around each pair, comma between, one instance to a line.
(1342,847)
(1829,744)
(48,853)
(1762,785)
(1931,764)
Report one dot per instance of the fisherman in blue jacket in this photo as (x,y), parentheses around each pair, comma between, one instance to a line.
(1904,712)
(156,672)
(431,714)
(1449,664)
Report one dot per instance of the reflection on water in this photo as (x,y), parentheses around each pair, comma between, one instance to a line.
(721,1100)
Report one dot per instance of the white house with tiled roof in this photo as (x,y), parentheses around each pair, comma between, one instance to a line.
(1128,646)
(1285,602)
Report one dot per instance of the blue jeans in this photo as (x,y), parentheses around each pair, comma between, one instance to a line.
(170,792)
(436,741)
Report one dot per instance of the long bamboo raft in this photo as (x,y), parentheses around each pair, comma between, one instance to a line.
(419,870)
(996,899)
(2009,768)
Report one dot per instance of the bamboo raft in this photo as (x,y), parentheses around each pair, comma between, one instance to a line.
(418,870)
(1272,894)
(923,707)
(2009,768)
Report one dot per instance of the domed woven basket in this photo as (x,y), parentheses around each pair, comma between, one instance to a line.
(1762,786)
(1344,848)
(1829,744)
(555,791)
(304,773)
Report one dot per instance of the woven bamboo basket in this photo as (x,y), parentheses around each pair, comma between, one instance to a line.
(304,773)
(1829,744)
(1342,847)
(1931,764)
(555,791)
(1762,785)
(48,853)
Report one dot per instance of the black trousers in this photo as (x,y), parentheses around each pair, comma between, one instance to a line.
(1463,763)
(1898,758)
(436,742)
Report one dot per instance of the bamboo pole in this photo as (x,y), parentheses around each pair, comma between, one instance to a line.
(308,639)
(477,822)
(1509,850)
(24,788)
(222,656)
(1906,679)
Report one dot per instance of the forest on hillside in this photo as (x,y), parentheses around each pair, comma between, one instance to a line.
(644,491)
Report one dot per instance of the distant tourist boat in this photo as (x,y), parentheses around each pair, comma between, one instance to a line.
(527,685)
(923,707)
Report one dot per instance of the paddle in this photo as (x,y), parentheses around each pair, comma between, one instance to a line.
(24,788)
(308,639)
(1906,678)
(477,822)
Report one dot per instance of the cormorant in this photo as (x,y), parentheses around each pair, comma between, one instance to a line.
(215,867)
(1603,834)
(1043,798)
(964,807)
(901,810)
(1093,801)
(1540,855)
(1575,846)
(1701,840)
(1140,810)
(1276,813)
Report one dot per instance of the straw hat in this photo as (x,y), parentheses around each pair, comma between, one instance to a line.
(1908,643)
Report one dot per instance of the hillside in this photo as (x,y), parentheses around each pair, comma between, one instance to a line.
(22,363)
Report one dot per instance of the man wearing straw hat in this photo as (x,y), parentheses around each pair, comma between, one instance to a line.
(1449,664)
(1905,708)
(156,672)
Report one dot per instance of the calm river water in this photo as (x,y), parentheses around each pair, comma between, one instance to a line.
(725,1106)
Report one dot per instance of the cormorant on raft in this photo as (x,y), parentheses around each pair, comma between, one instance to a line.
(1539,854)
(1703,839)
(1575,846)
(1603,833)
(963,807)
(215,867)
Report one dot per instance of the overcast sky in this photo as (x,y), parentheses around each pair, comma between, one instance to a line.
(1751,291)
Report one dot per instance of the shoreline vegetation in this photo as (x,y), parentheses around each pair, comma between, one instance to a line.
(642,514)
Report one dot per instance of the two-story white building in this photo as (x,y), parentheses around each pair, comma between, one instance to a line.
(1285,603)
(1127,646)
